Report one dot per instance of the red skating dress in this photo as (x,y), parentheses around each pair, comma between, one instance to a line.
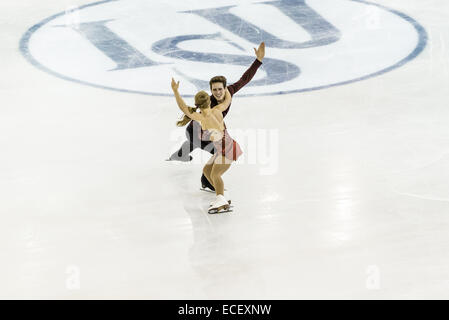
(225,146)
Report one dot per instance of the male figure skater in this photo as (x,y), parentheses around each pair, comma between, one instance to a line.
(217,86)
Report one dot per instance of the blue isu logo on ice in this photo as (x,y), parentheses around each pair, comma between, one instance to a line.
(137,45)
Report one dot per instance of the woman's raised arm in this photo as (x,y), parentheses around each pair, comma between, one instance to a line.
(181,104)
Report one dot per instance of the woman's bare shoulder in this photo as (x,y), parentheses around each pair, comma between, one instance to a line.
(217,113)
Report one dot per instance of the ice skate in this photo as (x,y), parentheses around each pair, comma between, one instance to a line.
(206,185)
(229,202)
(177,158)
(220,205)
(207,188)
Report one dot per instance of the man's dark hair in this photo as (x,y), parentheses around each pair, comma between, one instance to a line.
(215,79)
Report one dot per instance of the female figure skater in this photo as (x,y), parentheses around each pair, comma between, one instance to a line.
(213,129)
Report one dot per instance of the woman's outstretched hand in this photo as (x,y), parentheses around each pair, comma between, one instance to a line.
(228,98)
(174,84)
(227,94)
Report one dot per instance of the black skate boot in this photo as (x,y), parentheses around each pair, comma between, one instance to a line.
(180,157)
(206,185)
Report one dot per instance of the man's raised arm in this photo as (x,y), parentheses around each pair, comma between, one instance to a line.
(249,74)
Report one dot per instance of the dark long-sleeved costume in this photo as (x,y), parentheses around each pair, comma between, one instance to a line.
(193,131)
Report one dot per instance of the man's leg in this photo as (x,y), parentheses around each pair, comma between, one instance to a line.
(183,154)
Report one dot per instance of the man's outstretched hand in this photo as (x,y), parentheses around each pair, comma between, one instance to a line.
(260,52)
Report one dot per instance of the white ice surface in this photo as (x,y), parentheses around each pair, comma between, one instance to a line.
(363,181)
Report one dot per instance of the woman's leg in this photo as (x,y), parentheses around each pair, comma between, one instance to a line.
(205,181)
(208,169)
(220,166)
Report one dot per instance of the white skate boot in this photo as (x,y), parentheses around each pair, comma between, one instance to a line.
(219,205)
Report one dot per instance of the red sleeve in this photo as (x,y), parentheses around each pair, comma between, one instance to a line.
(246,77)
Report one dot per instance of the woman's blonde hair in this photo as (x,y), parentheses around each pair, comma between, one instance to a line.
(185,119)
(202,100)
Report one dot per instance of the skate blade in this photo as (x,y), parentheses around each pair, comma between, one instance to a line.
(222,209)
(185,160)
(209,190)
